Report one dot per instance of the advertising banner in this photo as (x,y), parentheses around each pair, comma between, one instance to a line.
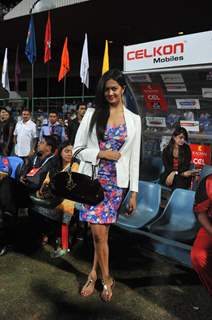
(159,122)
(201,155)
(192,126)
(172,77)
(178,51)
(142,77)
(175,87)
(207,92)
(187,104)
(154,97)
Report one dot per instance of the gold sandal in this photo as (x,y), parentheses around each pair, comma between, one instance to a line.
(106,294)
(90,283)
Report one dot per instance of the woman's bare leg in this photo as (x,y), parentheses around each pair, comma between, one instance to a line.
(89,286)
(100,238)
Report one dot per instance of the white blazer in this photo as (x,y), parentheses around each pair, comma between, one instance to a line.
(127,167)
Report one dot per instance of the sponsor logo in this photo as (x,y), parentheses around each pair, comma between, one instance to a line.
(187,103)
(200,153)
(197,161)
(158,52)
(168,59)
(189,124)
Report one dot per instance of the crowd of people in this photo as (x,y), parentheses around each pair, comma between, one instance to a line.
(110,134)
(27,155)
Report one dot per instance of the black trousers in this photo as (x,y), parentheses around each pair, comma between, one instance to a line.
(13,195)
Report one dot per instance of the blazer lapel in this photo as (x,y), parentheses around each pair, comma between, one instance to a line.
(130,128)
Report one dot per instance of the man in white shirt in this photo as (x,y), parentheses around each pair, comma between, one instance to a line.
(25,135)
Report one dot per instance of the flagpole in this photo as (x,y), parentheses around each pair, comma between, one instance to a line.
(83,92)
(64,92)
(47,88)
(32,88)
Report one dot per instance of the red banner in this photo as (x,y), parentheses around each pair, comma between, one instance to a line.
(201,155)
(154,97)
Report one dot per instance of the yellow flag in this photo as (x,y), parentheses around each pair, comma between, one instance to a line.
(105,66)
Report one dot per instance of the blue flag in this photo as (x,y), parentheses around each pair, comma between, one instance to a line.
(30,50)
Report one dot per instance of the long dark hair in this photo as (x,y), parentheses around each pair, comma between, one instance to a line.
(102,112)
(178,130)
(59,154)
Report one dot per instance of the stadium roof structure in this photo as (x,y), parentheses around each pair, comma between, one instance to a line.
(124,22)
(25,6)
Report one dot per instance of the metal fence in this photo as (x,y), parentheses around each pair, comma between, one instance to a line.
(45,105)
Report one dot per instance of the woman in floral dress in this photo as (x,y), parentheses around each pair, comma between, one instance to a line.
(111,134)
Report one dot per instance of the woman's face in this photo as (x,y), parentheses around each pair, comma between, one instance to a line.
(180,139)
(4,115)
(66,154)
(113,92)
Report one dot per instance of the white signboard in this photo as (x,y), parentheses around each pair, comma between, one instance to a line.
(187,104)
(171,52)
(172,77)
(156,122)
(192,126)
(207,92)
(142,77)
(175,87)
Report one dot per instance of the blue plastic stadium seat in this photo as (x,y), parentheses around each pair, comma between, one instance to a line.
(151,169)
(16,164)
(148,204)
(13,166)
(177,221)
(157,164)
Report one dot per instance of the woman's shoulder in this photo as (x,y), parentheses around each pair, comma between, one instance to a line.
(88,115)
(90,110)
(134,116)
(186,147)
(166,150)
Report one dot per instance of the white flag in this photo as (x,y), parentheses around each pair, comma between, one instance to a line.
(5,77)
(84,67)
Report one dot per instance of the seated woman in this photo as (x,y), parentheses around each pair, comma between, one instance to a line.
(201,253)
(66,207)
(176,160)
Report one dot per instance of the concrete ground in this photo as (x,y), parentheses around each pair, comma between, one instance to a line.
(34,286)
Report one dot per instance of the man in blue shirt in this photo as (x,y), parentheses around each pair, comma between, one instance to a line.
(53,127)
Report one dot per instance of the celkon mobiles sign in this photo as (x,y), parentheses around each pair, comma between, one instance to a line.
(201,155)
(178,51)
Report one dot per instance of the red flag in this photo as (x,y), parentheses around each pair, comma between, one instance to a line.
(48,39)
(17,70)
(64,67)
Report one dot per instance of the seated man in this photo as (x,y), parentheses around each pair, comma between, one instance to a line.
(201,254)
(14,194)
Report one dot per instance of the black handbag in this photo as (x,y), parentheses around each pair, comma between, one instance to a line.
(76,186)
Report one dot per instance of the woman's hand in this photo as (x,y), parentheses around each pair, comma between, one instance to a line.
(132,203)
(109,155)
(39,194)
(190,173)
(170,178)
(23,180)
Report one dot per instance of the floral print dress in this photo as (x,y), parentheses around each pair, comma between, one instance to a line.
(106,211)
